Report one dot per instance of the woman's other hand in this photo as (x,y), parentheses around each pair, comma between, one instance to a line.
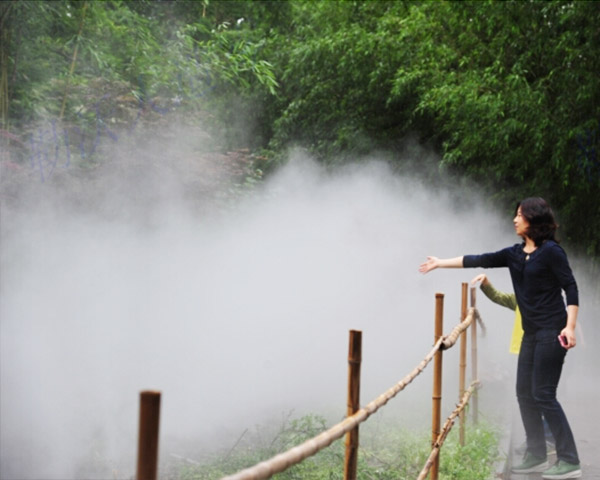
(569,335)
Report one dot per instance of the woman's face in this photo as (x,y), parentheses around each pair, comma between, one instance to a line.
(521,224)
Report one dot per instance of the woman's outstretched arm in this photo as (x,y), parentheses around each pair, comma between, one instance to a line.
(433,262)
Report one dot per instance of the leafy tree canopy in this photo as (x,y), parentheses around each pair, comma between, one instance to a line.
(506,92)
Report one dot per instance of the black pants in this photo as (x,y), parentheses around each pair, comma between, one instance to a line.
(540,364)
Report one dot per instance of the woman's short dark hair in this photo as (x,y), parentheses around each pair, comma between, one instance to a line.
(540,216)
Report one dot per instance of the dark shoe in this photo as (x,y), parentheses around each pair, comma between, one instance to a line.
(531,464)
(562,471)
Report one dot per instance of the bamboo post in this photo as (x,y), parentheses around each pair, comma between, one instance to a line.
(474,371)
(354,361)
(462,364)
(436,416)
(148,435)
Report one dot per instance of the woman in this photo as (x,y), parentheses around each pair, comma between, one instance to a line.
(509,300)
(540,271)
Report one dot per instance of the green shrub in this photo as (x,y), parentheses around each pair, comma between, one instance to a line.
(387,451)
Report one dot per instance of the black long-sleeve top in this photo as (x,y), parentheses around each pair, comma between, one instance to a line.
(538,280)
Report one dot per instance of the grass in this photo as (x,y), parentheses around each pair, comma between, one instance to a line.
(386,452)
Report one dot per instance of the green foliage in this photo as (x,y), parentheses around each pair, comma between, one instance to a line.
(336,79)
(474,460)
(291,432)
(501,100)
(387,452)
(506,92)
(200,64)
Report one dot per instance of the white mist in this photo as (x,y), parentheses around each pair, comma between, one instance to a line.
(235,317)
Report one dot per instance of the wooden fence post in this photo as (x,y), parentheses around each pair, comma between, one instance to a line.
(462,364)
(436,417)
(354,360)
(147,461)
(474,371)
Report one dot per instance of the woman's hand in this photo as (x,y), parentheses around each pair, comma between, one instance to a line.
(569,335)
(431,264)
(569,331)
(481,278)
(434,262)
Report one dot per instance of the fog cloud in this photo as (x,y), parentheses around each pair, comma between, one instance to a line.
(235,316)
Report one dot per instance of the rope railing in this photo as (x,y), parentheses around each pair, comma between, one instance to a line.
(450,339)
(282,461)
(446,430)
(349,426)
(295,455)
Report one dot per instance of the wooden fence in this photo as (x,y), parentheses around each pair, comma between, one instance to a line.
(150,405)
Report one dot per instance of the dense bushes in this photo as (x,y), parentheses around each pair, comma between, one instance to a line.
(387,452)
(506,92)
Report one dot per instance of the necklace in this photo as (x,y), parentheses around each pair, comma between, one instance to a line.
(528,254)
